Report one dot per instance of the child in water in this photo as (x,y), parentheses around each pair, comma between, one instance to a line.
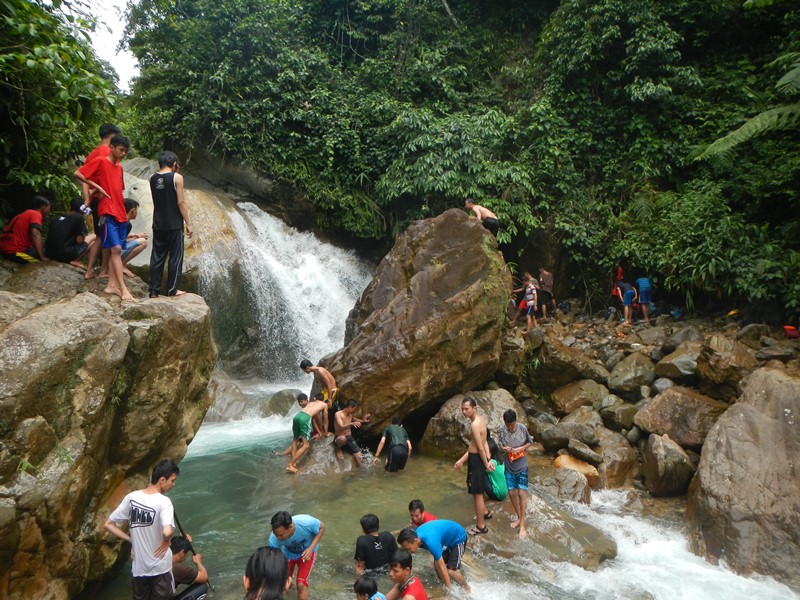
(366,588)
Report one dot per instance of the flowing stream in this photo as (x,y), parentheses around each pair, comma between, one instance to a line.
(230,484)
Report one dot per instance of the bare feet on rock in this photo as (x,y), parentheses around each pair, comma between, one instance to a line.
(515,523)
(127,272)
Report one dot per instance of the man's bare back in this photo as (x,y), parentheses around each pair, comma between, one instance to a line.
(482,212)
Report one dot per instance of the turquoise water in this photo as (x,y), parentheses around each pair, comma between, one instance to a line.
(230,485)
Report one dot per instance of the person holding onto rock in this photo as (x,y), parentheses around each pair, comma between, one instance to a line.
(374,548)
(345,421)
(407,586)
(170,218)
(329,392)
(302,430)
(514,441)
(446,542)
(487,217)
(298,538)
(399,446)
(151,523)
(21,240)
(477,458)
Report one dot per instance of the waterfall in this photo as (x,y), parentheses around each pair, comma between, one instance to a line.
(278,295)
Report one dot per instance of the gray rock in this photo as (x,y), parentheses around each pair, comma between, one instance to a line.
(783,353)
(684,334)
(666,467)
(565,484)
(632,372)
(558,436)
(722,364)
(750,335)
(580,393)
(661,384)
(583,452)
(681,365)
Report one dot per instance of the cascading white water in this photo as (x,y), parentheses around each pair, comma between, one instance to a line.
(298,291)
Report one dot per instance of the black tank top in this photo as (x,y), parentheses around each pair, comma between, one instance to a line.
(166,215)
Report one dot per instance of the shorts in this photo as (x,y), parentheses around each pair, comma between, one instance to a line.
(452,556)
(644,296)
(157,587)
(627,299)
(350,445)
(545,297)
(129,246)
(492,225)
(114,232)
(301,426)
(517,481)
(303,568)
(334,391)
(523,304)
(398,455)
(531,310)
(476,474)
(23,257)
(71,253)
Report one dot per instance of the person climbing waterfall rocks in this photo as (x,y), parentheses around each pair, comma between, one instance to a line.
(329,391)
(302,430)
(487,217)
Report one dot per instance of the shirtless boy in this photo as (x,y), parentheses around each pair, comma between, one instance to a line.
(329,390)
(302,430)
(487,217)
(477,458)
(345,421)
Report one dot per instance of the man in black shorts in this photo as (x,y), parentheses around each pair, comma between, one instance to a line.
(487,217)
(345,421)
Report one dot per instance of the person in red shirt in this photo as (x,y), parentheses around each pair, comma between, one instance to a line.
(90,198)
(21,240)
(106,176)
(416,509)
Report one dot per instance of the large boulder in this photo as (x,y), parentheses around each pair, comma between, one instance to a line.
(631,373)
(566,485)
(681,365)
(92,393)
(620,464)
(721,365)
(429,324)
(580,393)
(744,502)
(689,333)
(666,467)
(448,433)
(683,414)
(559,365)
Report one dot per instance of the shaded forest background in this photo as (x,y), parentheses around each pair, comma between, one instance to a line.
(585,121)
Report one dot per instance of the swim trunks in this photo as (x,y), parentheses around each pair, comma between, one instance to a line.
(492,225)
(333,393)
(627,300)
(351,446)
(301,426)
(398,456)
(517,481)
(476,474)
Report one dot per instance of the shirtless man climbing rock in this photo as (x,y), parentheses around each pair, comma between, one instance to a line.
(487,217)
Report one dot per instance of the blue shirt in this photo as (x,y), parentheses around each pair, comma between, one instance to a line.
(643,283)
(306,528)
(437,536)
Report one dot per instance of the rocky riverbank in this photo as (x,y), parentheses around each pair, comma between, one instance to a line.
(92,392)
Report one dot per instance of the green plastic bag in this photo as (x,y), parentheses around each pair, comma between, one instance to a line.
(498,490)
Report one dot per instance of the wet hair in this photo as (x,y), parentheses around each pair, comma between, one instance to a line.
(119,140)
(406,535)
(509,416)
(396,420)
(401,557)
(267,570)
(305,363)
(301,397)
(416,504)
(281,519)
(75,204)
(469,399)
(107,129)
(167,159)
(469,201)
(370,523)
(130,204)
(319,396)
(494,450)
(165,469)
(179,544)
(366,586)
(351,404)
(38,202)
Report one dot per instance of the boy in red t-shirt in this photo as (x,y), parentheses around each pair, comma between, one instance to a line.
(21,240)
(106,176)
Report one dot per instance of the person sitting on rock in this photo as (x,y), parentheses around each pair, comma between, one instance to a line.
(373,549)
(345,421)
(135,243)
(68,239)
(21,240)
(182,573)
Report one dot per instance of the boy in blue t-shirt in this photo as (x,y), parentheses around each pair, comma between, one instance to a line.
(446,541)
(298,538)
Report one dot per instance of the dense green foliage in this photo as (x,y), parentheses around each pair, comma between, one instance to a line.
(53,95)
(579,118)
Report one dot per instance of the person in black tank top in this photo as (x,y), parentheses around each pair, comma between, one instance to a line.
(170,215)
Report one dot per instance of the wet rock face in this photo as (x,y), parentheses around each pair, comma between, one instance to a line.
(666,466)
(683,414)
(744,502)
(92,393)
(429,324)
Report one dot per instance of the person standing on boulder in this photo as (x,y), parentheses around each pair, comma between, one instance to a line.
(514,442)
(170,217)
(151,523)
(487,217)
(478,463)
